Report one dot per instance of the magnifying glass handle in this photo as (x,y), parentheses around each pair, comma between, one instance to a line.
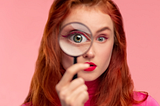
(75,61)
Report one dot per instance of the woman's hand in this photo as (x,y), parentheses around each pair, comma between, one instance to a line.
(72,92)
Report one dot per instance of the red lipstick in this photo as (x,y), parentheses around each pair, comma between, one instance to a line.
(92,66)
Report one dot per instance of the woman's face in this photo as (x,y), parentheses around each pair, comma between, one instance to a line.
(100,52)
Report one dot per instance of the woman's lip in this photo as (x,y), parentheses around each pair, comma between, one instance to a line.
(91,63)
(92,66)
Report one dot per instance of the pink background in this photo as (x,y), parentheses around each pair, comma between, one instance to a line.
(21,28)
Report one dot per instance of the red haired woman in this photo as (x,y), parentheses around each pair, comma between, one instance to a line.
(109,83)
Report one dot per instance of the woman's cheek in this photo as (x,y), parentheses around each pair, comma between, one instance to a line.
(67,61)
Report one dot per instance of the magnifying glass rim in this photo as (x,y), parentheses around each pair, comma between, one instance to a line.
(79,30)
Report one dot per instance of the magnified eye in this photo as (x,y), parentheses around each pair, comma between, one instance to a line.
(78,37)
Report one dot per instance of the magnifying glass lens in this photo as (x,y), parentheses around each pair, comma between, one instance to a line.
(75,39)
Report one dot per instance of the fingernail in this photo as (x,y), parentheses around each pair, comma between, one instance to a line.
(86,65)
(81,80)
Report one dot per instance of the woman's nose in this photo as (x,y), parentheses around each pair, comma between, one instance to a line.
(90,53)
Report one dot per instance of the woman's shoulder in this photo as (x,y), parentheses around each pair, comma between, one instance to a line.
(148,102)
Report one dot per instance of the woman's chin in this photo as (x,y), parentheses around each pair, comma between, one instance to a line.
(87,76)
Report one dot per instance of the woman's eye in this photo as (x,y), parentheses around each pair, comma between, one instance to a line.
(101,39)
(77,37)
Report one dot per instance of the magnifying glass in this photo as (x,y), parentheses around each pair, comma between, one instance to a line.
(75,39)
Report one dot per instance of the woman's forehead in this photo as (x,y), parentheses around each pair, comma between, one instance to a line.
(92,16)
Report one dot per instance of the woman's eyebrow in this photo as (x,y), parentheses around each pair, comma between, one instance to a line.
(105,28)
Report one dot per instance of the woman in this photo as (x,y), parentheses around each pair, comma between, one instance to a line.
(108,84)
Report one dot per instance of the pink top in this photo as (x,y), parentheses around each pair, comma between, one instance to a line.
(137,95)
(92,85)
(149,102)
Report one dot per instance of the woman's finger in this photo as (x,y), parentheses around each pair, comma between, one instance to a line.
(78,97)
(67,90)
(81,99)
(74,85)
(70,72)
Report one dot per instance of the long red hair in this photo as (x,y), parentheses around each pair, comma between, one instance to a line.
(116,86)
